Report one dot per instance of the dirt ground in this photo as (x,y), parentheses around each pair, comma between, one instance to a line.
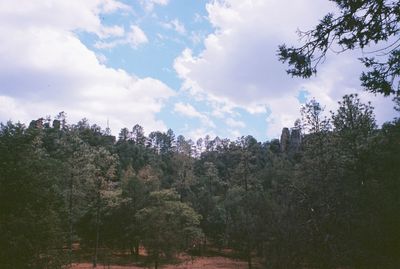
(196,263)
(210,263)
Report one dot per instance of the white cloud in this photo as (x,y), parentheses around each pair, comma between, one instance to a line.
(198,133)
(101,58)
(235,123)
(187,110)
(239,61)
(9,107)
(191,112)
(109,6)
(284,112)
(175,25)
(197,37)
(234,133)
(73,15)
(150,4)
(198,18)
(45,68)
(239,66)
(135,37)
(113,31)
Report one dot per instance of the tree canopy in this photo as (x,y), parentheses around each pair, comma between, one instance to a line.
(327,195)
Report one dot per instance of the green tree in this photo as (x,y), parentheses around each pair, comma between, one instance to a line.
(30,205)
(244,197)
(121,226)
(354,122)
(100,192)
(182,165)
(312,190)
(167,225)
(368,186)
(124,135)
(138,136)
(74,155)
(208,196)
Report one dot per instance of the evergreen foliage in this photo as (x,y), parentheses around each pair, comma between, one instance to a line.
(359,24)
(328,199)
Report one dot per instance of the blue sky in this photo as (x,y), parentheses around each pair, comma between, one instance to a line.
(199,67)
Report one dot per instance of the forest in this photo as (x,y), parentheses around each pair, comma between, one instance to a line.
(324,195)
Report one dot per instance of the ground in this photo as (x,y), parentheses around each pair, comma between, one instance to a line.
(196,263)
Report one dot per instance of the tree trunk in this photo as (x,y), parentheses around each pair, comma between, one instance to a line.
(246,188)
(249,264)
(97,231)
(156,261)
(137,246)
(71,185)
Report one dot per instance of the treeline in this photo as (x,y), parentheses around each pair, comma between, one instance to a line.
(327,195)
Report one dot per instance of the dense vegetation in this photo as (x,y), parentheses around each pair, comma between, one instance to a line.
(327,195)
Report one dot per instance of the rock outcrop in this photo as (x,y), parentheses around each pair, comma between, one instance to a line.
(285,139)
(290,140)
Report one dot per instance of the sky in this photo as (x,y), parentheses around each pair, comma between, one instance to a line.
(196,66)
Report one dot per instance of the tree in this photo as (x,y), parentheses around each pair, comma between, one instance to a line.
(138,136)
(181,163)
(74,154)
(167,225)
(369,186)
(360,24)
(99,193)
(30,204)
(333,205)
(313,120)
(312,191)
(121,229)
(381,200)
(354,121)
(124,135)
(281,233)
(208,197)
(353,115)
(243,198)
(397,103)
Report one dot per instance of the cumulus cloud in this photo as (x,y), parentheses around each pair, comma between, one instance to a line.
(191,112)
(239,66)
(73,15)
(45,68)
